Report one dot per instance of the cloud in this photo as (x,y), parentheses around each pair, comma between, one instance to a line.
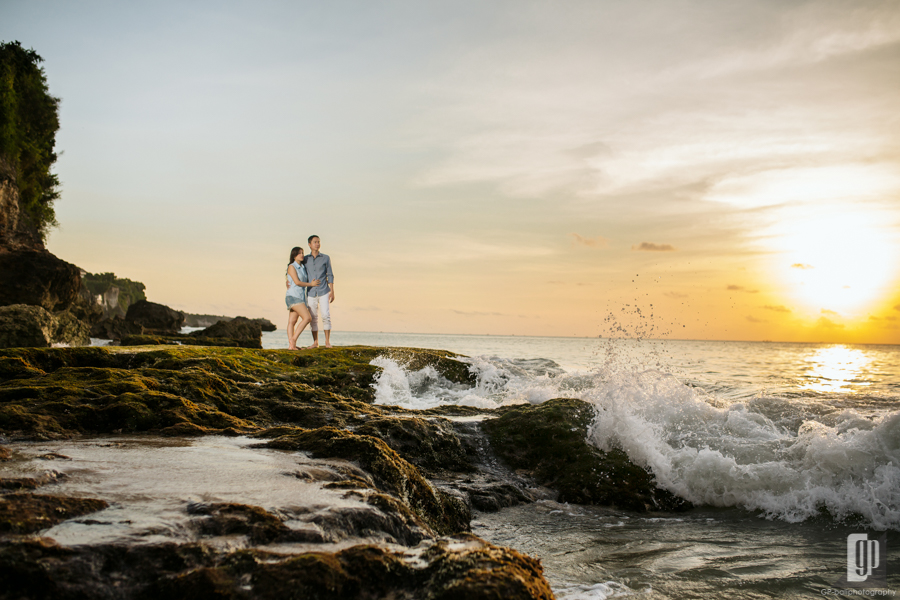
(675,295)
(891,318)
(740,288)
(897,307)
(376,309)
(825,311)
(476,313)
(651,247)
(874,318)
(802,266)
(755,320)
(777,308)
(594,242)
(828,324)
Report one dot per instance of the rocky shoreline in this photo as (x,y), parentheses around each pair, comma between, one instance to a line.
(404,483)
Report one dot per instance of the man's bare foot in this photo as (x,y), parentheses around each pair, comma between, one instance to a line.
(313,346)
(328,345)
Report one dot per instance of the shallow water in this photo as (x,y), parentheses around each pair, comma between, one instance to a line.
(150,482)
(597,553)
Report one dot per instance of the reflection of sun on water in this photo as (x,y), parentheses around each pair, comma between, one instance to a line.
(835,368)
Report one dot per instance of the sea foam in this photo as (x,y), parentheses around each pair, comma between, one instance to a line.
(788,458)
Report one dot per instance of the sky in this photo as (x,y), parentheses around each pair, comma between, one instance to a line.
(686,169)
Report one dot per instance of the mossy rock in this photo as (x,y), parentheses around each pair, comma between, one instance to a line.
(185,340)
(27,513)
(55,392)
(259,525)
(441,512)
(430,444)
(549,441)
(458,568)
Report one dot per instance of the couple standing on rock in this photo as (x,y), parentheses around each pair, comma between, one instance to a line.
(310,291)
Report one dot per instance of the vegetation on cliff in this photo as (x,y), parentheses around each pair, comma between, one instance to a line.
(130,291)
(29,120)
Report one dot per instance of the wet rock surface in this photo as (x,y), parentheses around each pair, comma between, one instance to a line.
(548,441)
(246,332)
(38,278)
(115,328)
(23,325)
(447,568)
(27,513)
(387,476)
(157,318)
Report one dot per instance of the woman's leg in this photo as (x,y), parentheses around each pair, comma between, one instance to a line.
(303,319)
(292,320)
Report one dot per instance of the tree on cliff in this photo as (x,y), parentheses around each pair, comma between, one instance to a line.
(29,119)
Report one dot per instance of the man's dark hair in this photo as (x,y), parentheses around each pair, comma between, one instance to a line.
(310,238)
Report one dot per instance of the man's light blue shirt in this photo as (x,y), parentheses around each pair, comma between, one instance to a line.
(319,267)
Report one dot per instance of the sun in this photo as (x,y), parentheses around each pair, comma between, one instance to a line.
(839,259)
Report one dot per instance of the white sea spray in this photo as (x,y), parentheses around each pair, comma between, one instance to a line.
(789,458)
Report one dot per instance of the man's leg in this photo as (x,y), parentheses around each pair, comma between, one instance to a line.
(313,304)
(325,311)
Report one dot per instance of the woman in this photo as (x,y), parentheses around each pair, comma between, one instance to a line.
(295,298)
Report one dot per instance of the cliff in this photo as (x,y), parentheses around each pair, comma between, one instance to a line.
(17,232)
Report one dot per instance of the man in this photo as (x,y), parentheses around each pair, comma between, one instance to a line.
(318,298)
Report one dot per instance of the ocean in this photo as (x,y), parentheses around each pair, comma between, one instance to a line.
(785,448)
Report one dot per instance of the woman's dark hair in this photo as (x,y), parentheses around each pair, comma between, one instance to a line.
(294,252)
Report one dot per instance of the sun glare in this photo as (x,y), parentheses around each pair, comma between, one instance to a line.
(838,263)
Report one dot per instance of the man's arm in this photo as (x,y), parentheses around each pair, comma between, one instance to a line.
(329,277)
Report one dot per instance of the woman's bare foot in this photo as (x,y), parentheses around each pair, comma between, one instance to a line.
(328,345)
(316,345)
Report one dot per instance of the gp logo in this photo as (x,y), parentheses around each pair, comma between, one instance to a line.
(866,561)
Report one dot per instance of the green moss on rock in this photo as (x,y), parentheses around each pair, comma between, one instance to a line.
(549,441)
(429,444)
(55,392)
(440,511)
(462,567)
(27,513)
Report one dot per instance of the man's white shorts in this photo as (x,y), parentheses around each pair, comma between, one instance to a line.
(319,305)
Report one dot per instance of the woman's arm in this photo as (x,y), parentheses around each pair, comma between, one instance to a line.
(292,272)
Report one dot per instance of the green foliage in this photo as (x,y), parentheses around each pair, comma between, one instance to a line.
(129,291)
(29,119)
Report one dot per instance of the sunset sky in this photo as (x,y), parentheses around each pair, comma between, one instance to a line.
(685,169)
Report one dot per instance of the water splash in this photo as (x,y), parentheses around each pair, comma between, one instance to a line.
(790,459)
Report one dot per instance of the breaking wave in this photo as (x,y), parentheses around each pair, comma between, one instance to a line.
(790,456)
